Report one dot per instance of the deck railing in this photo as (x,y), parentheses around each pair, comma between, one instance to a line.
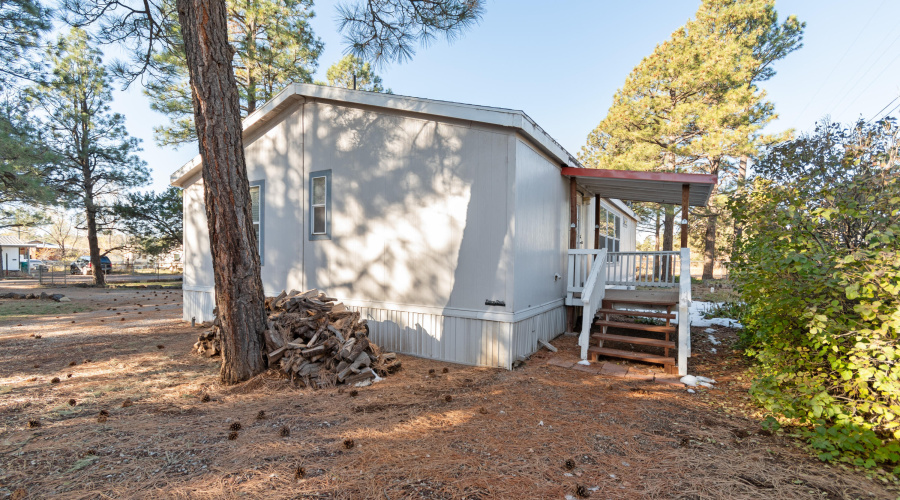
(591,299)
(586,282)
(580,264)
(656,269)
(684,316)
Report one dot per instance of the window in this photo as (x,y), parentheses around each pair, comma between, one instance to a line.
(610,229)
(320,205)
(257,213)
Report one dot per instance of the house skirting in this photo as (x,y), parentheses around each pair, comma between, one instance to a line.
(476,338)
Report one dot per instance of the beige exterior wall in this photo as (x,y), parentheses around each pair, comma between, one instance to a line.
(429,219)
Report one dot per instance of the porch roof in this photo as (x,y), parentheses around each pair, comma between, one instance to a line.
(655,187)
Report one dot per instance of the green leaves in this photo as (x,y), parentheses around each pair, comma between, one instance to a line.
(820,282)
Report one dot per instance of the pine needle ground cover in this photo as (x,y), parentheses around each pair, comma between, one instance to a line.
(150,422)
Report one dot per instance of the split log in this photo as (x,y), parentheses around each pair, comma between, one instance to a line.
(313,338)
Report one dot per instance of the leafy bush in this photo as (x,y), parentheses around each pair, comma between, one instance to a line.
(819,270)
(732,309)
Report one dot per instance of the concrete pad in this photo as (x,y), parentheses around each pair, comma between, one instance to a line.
(592,369)
(561,362)
(639,375)
(613,370)
(669,380)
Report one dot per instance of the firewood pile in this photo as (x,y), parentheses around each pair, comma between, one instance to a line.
(315,340)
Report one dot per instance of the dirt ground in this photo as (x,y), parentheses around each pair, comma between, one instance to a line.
(460,432)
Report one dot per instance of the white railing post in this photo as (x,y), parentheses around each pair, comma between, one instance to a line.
(591,298)
(684,316)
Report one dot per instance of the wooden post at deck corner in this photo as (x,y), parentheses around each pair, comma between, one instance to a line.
(573,242)
(573,213)
(596,222)
(685,204)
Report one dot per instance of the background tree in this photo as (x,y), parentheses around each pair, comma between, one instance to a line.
(351,72)
(25,164)
(274,46)
(692,105)
(154,220)
(96,155)
(217,119)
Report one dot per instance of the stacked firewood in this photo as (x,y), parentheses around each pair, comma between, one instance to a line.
(315,340)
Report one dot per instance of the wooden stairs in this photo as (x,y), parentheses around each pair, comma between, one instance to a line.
(635,304)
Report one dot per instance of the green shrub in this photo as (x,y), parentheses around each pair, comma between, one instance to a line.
(819,271)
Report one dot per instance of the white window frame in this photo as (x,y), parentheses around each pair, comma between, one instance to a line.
(260,185)
(325,205)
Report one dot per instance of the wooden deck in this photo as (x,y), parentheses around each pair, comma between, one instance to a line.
(642,297)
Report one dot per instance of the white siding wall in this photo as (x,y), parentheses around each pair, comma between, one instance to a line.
(424,220)
(542,211)
(10,259)
(274,158)
(199,281)
(420,213)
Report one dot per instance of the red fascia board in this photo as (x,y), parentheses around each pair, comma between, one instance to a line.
(635,175)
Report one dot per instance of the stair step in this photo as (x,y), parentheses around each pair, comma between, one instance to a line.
(635,340)
(646,314)
(637,356)
(642,301)
(636,326)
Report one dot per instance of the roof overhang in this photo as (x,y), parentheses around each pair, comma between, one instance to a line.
(511,119)
(654,187)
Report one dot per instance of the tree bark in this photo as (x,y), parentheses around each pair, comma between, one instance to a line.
(239,291)
(709,246)
(90,214)
(742,178)
(709,239)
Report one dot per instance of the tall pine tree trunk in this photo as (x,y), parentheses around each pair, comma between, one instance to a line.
(90,215)
(709,239)
(742,178)
(239,291)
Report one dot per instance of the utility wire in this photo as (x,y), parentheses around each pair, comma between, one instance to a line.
(833,69)
(882,109)
(891,111)
(862,75)
(871,82)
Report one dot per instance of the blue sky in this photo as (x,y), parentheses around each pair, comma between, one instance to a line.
(561,62)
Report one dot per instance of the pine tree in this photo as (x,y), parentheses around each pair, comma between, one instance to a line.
(144,25)
(154,220)
(274,46)
(26,171)
(351,72)
(693,104)
(96,157)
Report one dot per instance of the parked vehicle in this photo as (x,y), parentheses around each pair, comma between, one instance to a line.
(35,265)
(83,265)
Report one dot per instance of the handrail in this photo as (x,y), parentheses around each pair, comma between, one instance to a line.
(591,298)
(684,308)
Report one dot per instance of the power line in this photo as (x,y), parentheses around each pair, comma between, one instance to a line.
(882,109)
(861,76)
(871,82)
(833,69)
(891,111)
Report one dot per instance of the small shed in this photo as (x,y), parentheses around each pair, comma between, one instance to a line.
(13,255)
(446,225)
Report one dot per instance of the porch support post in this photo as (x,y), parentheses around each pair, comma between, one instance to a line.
(573,213)
(685,199)
(597,222)
(573,242)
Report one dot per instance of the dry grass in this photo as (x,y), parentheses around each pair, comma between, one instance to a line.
(499,434)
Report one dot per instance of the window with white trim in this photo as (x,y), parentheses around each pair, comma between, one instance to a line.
(610,229)
(257,193)
(320,205)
